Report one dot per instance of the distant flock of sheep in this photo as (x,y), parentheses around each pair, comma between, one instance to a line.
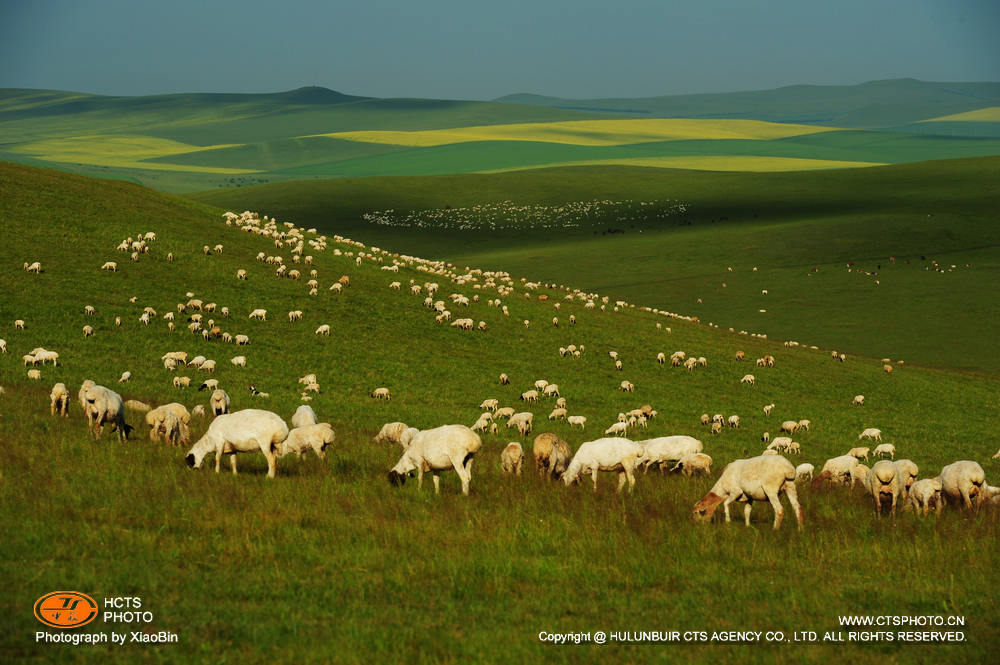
(889,483)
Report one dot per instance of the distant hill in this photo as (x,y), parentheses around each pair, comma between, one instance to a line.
(875,104)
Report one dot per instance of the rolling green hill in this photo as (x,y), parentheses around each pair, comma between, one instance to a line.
(785,224)
(328,562)
(191,142)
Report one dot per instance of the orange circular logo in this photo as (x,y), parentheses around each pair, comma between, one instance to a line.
(65,609)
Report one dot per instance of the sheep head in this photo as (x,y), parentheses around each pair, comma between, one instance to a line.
(704,509)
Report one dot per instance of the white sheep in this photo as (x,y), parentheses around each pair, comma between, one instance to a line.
(860,453)
(666,450)
(105,406)
(790,426)
(390,432)
(804,472)
(110,265)
(523,421)
(241,432)
(437,450)
(125,377)
(3,346)
(859,400)
(748,379)
(925,492)
(836,469)
(962,480)
(303,416)
(608,454)
(733,421)
(768,408)
(158,423)
(503,412)
(323,329)
(260,314)
(530,396)
(883,449)
(557,414)
(859,476)
(512,458)
(182,381)
(59,397)
(219,402)
(490,404)
(871,433)
(380,393)
(577,420)
(617,428)
(693,463)
(885,485)
(804,424)
(551,454)
(762,478)
(315,437)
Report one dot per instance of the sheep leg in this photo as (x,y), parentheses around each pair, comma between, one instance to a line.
(594,477)
(621,481)
(746,513)
(940,504)
(725,507)
(965,498)
(631,476)
(437,482)
(793,499)
(232,462)
(779,510)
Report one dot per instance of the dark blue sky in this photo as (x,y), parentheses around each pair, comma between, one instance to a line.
(465,49)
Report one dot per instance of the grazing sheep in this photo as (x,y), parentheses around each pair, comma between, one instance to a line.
(617,428)
(884,485)
(19,324)
(883,449)
(303,416)
(804,472)
(380,393)
(182,381)
(871,433)
(804,424)
(907,472)
(608,454)
(557,414)
(859,400)
(490,404)
(523,421)
(577,420)
(859,453)
(748,379)
(962,480)
(551,454)
(60,400)
(859,476)
(503,412)
(626,387)
(219,402)
(207,366)
(767,409)
(323,329)
(238,361)
(125,377)
(157,419)
(136,405)
(315,437)
(551,390)
(105,406)
(260,314)
(34,374)
(530,396)
(693,463)
(790,426)
(110,265)
(666,450)
(437,450)
(504,380)
(88,331)
(390,432)
(836,469)
(754,479)
(244,431)
(925,492)
(733,421)
(705,419)
(716,428)
(241,340)
(209,384)
(512,458)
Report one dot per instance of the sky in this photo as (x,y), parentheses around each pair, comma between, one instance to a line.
(468,49)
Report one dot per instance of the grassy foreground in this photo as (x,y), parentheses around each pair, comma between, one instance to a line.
(329,563)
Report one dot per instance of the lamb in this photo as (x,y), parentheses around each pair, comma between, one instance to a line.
(523,421)
(804,472)
(105,406)
(859,453)
(551,390)
(437,450)
(805,424)
(666,450)
(390,432)
(608,454)
(837,469)
(767,409)
(504,412)
(754,479)
(512,458)
(883,449)
(577,420)
(241,432)
(551,454)
(925,492)
(693,463)
(303,416)
(60,400)
(871,433)
(219,402)
(315,437)
(380,393)
(963,480)
(238,361)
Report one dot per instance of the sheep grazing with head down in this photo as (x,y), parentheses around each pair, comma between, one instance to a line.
(303,416)
(551,454)
(907,472)
(837,470)
(59,398)
(694,463)
(925,493)
(219,402)
(608,454)
(667,450)
(762,478)
(391,432)
(963,480)
(244,431)
(512,458)
(437,450)
(106,406)
(885,486)
(314,437)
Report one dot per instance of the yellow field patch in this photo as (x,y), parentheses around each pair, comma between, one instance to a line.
(590,132)
(713,163)
(119,151)
(988,114)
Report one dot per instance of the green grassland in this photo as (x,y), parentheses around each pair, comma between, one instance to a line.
(191,142)
(785,224)
(328,563)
